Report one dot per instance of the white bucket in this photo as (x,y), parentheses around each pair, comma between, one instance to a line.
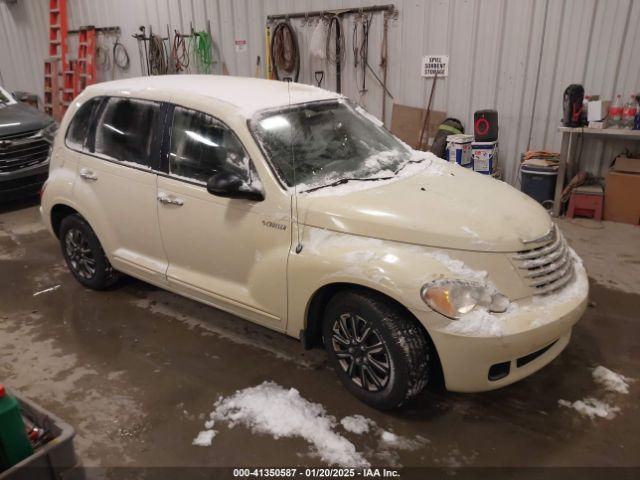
(459,150)
(484,156)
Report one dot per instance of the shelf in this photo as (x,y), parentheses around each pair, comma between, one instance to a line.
(621,133)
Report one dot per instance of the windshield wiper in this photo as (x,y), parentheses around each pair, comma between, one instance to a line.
(342,181)
(407,163)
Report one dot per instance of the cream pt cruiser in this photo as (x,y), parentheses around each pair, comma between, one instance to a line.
(291,207)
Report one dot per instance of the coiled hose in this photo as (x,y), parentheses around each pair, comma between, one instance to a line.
(120,55)
(158,57)
(180,54)
(285,54)
(200,45)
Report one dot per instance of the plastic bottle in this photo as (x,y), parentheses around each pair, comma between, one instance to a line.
(585,110)
(14,443)
(629,113)
(615,113)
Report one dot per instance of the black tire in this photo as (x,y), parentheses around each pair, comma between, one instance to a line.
(408,351)
(84,254)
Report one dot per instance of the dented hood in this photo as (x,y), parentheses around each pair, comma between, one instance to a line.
(459,209)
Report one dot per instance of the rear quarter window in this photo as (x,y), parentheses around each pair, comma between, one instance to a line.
(78,131)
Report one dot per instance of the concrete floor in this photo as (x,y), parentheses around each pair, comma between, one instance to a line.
(136,370)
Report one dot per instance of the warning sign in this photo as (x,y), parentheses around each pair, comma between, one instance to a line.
(241,45)
(432,64)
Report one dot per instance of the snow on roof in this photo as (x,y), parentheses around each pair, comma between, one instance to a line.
(247,95)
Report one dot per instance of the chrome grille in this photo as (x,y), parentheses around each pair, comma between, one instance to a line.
(22,151)
(546,268)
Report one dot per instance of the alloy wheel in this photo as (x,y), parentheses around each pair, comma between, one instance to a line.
(79,253)
(360,351)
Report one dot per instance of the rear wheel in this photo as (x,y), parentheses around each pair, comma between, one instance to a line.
(84,254)
(380,354)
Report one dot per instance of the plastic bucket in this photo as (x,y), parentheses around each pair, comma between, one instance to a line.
(539,182)
(484,156)
(459,150)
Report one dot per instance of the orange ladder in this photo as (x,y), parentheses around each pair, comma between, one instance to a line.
(57,57)
(86,63)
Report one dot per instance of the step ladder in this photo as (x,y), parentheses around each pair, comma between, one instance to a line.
(51,90)
(86,63)
(57,62)
(69,87)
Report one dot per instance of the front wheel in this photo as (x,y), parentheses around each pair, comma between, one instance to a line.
(84,254)
(380,354)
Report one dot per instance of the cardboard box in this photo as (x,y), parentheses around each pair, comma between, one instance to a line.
(622,191)
(597,110)
(406,123)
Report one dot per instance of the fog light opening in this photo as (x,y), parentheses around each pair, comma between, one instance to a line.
(499,370)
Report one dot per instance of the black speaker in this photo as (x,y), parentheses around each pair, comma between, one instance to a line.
(485,125)
(572,105)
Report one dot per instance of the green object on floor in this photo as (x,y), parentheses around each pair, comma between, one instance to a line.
(14,443)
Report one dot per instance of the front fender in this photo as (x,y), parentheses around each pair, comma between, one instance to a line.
(395,269)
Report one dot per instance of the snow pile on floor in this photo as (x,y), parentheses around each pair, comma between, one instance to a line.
(398,442)
(357,424)
(591,407)
(204,438)
(612,381)
(271,409)
(388,440)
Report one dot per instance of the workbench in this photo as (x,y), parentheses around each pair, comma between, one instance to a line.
(569,136)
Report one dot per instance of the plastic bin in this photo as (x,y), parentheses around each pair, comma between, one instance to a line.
(539,182)
(54,460)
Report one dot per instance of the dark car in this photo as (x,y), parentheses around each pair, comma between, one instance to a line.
(25,137)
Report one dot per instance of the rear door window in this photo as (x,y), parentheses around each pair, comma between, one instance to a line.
(127,131)
(202,146)
(77,133)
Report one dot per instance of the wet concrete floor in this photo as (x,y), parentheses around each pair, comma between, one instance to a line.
(136,369)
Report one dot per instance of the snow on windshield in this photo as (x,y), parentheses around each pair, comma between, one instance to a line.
(327,142)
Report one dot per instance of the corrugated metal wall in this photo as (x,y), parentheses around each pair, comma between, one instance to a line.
(513,55)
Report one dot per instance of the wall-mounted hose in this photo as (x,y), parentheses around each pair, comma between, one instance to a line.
(201,51)
(285,54)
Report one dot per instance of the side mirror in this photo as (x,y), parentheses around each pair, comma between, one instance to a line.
(229,185)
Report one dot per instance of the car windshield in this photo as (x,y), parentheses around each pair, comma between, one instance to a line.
(5,97)
(329,143)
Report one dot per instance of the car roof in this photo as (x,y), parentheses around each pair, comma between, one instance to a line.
(248,95)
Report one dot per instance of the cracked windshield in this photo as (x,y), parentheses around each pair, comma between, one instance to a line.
(330,143)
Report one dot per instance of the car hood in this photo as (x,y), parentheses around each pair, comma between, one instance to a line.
(457,209)
(18,118)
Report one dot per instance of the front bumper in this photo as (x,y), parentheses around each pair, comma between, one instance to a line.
(536,334)
(23,182)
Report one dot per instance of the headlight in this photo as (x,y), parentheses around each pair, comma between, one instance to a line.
(454,298)
(49,132)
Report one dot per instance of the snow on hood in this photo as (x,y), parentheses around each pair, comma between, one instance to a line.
(431,203)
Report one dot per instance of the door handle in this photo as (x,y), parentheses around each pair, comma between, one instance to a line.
(88,175)
(167,200)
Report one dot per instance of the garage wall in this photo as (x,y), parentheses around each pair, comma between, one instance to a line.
(515,56)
